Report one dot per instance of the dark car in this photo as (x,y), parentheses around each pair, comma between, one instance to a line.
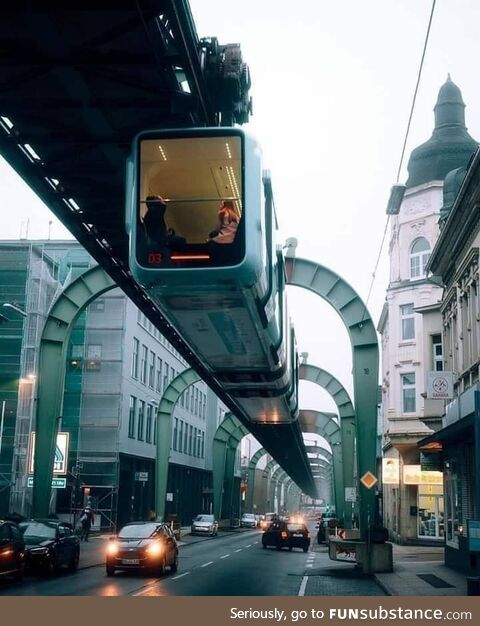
(147,546)
(323,525)
(286,535)
(50,545)
(12,550)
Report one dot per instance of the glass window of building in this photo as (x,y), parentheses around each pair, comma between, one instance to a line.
(190,440)
(408,322)
(159,375)
(165,377)
(419,255)
(202,453)
(431,519)
(182,399)
(185,439)
(180,437)
(141,420)
(148,431)
(195,442)
(131,417)
(76,351)
(151,370)
(437,350)
(98,305)
(143,364)
(187,399)
(408,393)
(175,433)
(136,348)
(196,401)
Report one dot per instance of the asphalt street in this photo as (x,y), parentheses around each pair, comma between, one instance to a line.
(232,564)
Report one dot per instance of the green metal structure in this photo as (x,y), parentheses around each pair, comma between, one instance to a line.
(225,444)
(252,466)
(346,413)
(51,375)
(363,337)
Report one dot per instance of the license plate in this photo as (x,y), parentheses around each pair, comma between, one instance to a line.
(297,535)
(130,561)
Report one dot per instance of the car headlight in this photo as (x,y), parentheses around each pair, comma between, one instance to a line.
(112,548)
(40,550)
(155,549)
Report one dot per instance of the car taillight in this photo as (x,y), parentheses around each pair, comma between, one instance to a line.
(283,534)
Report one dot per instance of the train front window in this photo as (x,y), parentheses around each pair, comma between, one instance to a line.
(190,202)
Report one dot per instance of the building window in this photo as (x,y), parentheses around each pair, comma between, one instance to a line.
(185,440)
(190,440)
(419,255)
(180,437)
(187,399)
(155,426)
(141,420)
(437,353)
(408,393)
(143,364)
(148,432)
(175,433)
(136,347)
(196,401)
(131,417)
(94,356)
(98,305)
(408,322)
(165,377)
(159,375)
(151,371)
(202,453)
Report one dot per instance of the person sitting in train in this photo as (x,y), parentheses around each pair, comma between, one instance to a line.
(154,219)
(226,226)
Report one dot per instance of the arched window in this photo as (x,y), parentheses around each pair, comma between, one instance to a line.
(419,255)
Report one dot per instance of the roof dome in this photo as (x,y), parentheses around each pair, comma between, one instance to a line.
(451,186)
(450,145)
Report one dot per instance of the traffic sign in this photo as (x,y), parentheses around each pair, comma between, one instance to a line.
(350,494)
(142,476)
(369,480)
(57,483)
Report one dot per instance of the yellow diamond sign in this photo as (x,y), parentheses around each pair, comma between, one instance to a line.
(369,480)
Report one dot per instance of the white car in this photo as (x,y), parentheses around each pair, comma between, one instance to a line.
(248,521)
(204,525)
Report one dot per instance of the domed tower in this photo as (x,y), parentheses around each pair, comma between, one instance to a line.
(450,145)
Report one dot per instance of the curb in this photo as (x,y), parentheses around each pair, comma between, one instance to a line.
(382,586)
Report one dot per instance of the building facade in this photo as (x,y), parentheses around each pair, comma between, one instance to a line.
(118,366)
(411,329)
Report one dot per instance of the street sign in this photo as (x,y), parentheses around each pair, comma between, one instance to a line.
(350,494)
(57,483)
(369,480)
(439,385)
(169,497)
(141,476)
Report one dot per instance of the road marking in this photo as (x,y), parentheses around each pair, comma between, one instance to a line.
(181,575)
(309,565)
(249,545)
(303,586)
(239,550)
(206,564)
(224,556)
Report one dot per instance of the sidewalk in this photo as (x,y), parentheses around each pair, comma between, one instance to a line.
(92,552)
(420,571)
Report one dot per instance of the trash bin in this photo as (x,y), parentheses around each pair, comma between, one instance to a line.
(473,585)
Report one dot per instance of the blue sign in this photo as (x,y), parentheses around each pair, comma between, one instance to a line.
(473,535)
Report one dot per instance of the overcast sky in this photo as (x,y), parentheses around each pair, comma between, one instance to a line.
(332,84)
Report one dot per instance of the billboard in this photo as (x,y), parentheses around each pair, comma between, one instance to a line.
(60,462)
(390,471)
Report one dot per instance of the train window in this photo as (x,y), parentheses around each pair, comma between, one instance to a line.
(190,204)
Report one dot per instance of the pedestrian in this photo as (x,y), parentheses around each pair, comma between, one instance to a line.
(87,520)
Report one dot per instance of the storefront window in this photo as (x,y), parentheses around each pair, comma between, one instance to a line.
(452,504)
(431,516)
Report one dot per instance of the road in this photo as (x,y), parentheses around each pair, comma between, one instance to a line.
(232,564)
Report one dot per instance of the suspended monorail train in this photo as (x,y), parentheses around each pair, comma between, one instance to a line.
(202,228)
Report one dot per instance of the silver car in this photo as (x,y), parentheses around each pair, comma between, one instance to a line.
(204,525)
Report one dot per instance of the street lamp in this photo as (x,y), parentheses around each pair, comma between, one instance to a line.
(14,307)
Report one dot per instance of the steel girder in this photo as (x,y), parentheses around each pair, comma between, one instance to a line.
(363,337)
(252,466)
(164,434)
(225,443)
(346,413)
(51,376)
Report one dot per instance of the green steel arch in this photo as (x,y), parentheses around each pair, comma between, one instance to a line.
(252,466)
(225,443)
(164,434)
(363,337)
(346,412)
(51,375)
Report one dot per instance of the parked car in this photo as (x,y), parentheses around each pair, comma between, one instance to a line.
(286,535)
(12,550)
(147,546)
(248,521)
(204,525)
(50,545)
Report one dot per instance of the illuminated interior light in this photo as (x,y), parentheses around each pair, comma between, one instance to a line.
(31,151)
(229,152)
(7,122)
(162,152)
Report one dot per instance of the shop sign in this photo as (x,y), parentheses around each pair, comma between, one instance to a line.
(390,471)
(414,475)
(169,497)
(439,385)
(57,483)
(61,454)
